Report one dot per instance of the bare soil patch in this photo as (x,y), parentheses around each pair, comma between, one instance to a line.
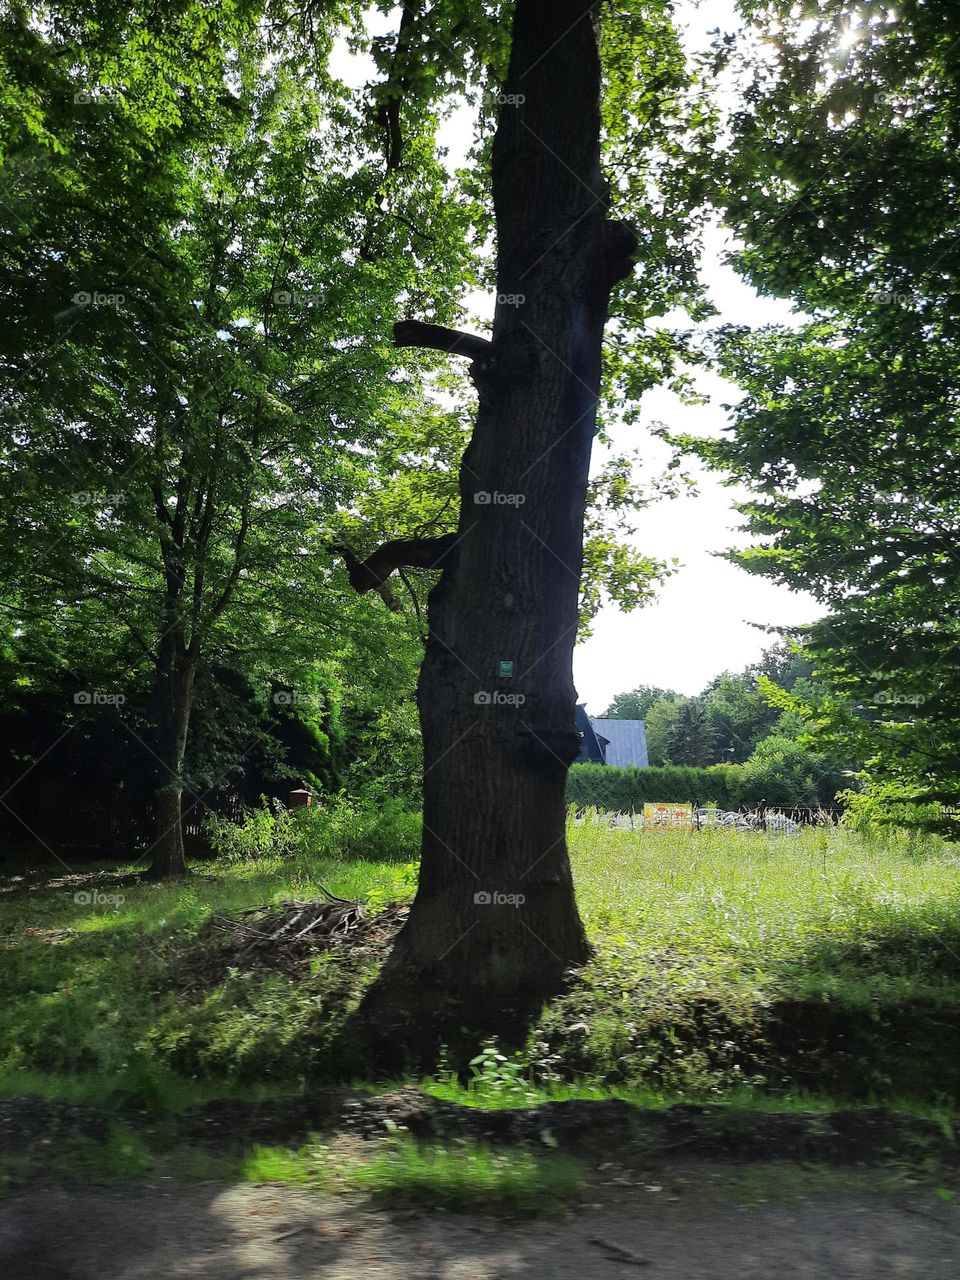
(674,1228)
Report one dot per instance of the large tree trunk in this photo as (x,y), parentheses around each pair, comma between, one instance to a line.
(175,678)
(497,746)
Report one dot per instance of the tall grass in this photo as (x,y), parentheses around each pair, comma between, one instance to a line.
(463,1177)
(724,962)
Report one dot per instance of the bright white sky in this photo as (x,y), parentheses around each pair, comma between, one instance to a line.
(700,623)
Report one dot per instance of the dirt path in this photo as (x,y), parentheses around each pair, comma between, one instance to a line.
(150,1230)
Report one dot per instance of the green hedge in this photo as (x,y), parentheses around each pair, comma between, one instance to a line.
(621,790)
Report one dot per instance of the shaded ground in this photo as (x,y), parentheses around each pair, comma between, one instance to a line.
(36,1128)
(38,880)
(691,1228)
(689,1193)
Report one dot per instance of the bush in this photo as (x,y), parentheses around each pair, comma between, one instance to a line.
(782,772)
(270,831)
(337,828)
(604,787)
(356,827)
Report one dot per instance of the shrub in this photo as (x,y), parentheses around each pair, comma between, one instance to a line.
(355,827)
(604,787)
(339,827)
(783,772)
(270,831)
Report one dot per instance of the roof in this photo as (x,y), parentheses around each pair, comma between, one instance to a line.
(591,746)
(626,739)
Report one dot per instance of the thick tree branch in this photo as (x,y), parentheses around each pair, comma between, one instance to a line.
(414,333)
(621,243)
(397,86)
(372,574)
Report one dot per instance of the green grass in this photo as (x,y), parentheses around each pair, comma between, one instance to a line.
(144,1083)
(726,960)
(91,991)
(727,966)
(462,1177)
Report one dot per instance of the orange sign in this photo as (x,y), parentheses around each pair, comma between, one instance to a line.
(667,817)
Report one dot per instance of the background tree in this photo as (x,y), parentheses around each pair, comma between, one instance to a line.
(738,716)
(635,704)
(837,185)
(660,722)
(174,460)
(691,741)
(738,705)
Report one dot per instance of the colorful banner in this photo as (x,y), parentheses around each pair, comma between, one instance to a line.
(667,817)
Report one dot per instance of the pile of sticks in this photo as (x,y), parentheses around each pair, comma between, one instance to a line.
(297,926)
(283,935)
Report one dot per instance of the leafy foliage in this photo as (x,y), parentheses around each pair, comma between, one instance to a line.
(838,187)
(626,790)
(733,715)
(179,442)
(691,741)
(635,704)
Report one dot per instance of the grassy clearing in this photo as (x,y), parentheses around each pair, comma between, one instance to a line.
(823,961)
(747,967)
(92,989)
(459,1177)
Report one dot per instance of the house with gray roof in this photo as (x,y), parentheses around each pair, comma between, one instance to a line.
(614,742)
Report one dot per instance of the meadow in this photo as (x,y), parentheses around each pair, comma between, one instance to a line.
(783,970)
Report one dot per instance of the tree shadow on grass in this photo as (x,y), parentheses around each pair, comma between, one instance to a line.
(875,1012)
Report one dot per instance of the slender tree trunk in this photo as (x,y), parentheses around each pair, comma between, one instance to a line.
(175,677)
(495,925)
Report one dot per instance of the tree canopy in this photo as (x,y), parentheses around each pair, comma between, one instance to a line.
(839,185)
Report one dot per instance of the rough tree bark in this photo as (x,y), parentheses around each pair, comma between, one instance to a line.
(494,926)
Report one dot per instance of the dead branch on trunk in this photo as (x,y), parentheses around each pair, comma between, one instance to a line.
(620,250)
(410,553)
(415,333)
